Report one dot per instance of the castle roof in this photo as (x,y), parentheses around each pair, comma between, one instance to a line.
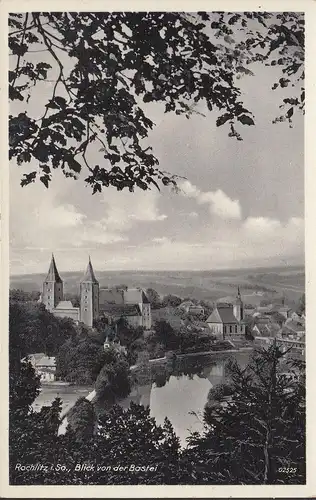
(53,274)
(89,274)
(111,296)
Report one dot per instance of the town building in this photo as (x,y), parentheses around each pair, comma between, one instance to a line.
(227,320)
(95,302)
(44,366)
(191,308)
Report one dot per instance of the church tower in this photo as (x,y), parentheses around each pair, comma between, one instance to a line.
(238,307)
(52,287)
(89,297)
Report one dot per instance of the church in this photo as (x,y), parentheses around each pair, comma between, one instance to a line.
(227,320)
(95,302)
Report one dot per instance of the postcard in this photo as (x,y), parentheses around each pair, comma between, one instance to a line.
(156,252)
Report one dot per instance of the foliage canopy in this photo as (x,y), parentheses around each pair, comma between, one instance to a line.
(105,68)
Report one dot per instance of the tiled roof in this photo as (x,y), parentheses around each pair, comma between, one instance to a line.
(53,274)
(222,314)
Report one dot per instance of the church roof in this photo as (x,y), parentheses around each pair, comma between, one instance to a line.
(222,314)
(89,274)
(53,274)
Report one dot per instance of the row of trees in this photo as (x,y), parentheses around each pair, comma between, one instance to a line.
(256,437)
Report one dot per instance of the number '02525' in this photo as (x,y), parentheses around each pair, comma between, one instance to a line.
(287,470)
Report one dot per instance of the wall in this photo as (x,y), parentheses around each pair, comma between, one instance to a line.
(73,313)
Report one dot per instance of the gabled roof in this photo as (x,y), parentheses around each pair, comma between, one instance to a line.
(222,314)
(89,274)
(53,274)
(267,330)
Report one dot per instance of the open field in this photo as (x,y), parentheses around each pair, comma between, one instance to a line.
(256,284)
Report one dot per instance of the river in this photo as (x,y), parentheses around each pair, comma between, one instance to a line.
(171,390)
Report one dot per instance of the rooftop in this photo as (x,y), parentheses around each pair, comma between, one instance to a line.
(222,314)
(53,274)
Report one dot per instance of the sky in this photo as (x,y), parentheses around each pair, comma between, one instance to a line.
(241,203)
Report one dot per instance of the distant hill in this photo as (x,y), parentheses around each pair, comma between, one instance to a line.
(207,285)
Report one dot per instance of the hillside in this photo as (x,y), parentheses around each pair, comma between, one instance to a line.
(256,284)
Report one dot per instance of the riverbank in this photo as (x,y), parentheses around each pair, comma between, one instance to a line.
(92,395)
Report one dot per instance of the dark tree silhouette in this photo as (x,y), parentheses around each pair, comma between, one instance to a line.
(105,67)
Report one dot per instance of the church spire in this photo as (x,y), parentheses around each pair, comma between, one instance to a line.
(89,274)
(53,274)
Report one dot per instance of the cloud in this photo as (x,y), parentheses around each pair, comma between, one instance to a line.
(161,240)
(219,203)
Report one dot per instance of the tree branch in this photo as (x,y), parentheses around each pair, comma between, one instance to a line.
(19,56)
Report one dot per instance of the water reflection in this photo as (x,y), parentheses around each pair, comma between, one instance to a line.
(178,388)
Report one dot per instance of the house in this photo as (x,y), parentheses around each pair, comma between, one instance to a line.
(260,310)
(284,310)
(227,320)
(185,305)
(196,310)
(44,366)
(292,329)
(265,329)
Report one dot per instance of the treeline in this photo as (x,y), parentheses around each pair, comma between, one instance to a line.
(253,432)
(34,329)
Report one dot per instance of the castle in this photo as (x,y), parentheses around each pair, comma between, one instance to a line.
(95,302)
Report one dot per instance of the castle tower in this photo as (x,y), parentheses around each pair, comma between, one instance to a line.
(52,287)
(238,307)
(89,297)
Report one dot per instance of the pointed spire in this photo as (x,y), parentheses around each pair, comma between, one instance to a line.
(89,274)
(53,274)
(238,293)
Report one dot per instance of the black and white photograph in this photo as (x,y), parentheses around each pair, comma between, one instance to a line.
(156,247)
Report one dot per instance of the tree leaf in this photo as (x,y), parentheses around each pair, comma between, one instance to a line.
(245,120)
